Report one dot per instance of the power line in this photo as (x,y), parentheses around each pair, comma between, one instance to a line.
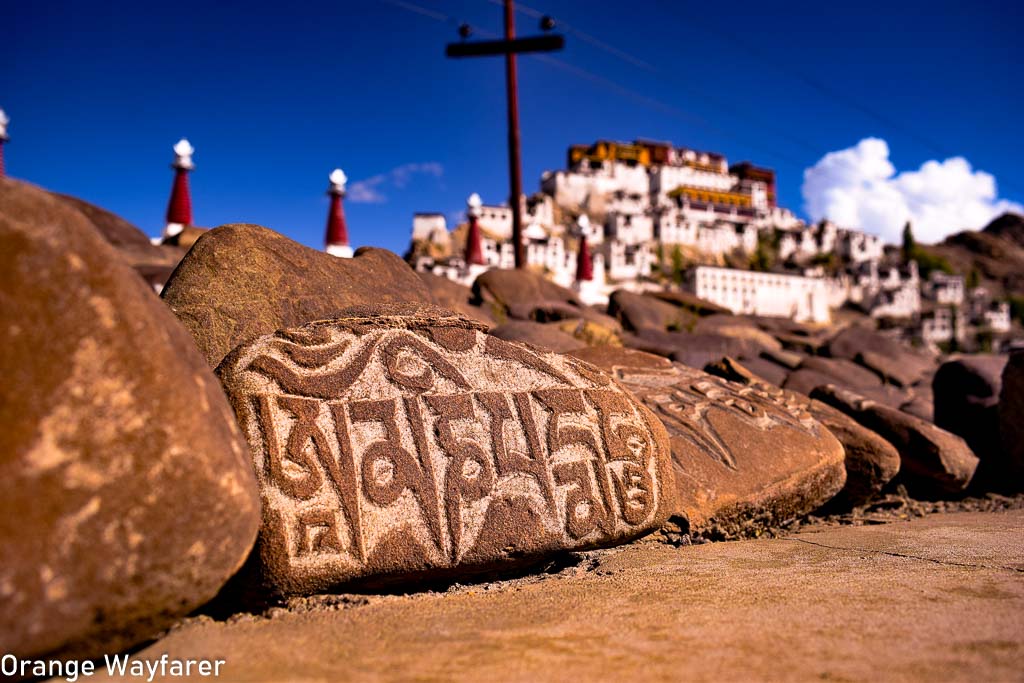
(618,89)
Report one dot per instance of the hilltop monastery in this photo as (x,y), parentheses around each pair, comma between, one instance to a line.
(622,215)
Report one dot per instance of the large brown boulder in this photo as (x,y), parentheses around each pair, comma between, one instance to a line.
(870,461)
(239,282)
(1011,420)
(690,302)
(966,391)
(695,350)
(546,336)
(639,312)
(933,462)
(504,288)
(737,327)
(843,372)
(397,444)
(889,358)
(739,452)
(456,297)
(126,494)
(28,204)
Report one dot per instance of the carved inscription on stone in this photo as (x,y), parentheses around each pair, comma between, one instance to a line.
(684,403)
(384,446)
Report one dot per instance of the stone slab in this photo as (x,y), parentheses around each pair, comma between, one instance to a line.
(414,445)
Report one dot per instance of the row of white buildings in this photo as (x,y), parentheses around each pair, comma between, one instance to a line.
(633,202)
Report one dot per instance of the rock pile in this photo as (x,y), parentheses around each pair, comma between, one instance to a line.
(378,437)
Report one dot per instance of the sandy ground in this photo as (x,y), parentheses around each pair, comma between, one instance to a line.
(935,598)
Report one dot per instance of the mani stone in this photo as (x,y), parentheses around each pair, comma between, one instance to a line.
(239,282)
(127,498)
(739,452)
(933,462)
(392,445)
(870,461)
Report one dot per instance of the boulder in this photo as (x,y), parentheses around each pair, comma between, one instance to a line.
(844,372)
(788,359)
(639,312)
(239,282)
(966,391)
(505,288)
(127,498)
(690,302)
(933,462)
(547,336)
(890,359)
(556,311)
(870,461)
(400,444)
(456,297)
(731,326)
(695,350)
(739,452)
(805,381)
(1011,421)
(28,204)
(920,405)
(773,373)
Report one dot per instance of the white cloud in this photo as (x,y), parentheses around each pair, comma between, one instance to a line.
(371,190)
(858,187)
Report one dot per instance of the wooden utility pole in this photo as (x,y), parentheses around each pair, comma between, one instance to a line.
(510,47)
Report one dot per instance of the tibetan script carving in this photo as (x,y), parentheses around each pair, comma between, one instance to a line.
(398,445)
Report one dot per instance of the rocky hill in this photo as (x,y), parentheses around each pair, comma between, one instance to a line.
(995,253)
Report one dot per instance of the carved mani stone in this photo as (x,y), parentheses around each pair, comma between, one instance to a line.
(391,446)
(738,451)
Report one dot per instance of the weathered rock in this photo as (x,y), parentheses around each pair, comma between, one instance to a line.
(870,461)
(844,372)
(1011,420)
(739,452)
(920,406)
(788,359)
(893,371)
(772,373)
(933,462)
(639,312)
(590,333)
(456,297)
(126,494)
(966,391)
(547,336)
(737,328)
(390,445)
(898,363)
(29,204)
(690,302)
(805,381)
(555,311)
(695,350)
(239,282)
(504,288)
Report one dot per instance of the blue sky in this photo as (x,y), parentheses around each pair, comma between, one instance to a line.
(275,95)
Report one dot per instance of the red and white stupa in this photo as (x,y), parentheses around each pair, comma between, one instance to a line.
(474,255)
(336,240)
(3,140)
(585,284)
(179,206)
